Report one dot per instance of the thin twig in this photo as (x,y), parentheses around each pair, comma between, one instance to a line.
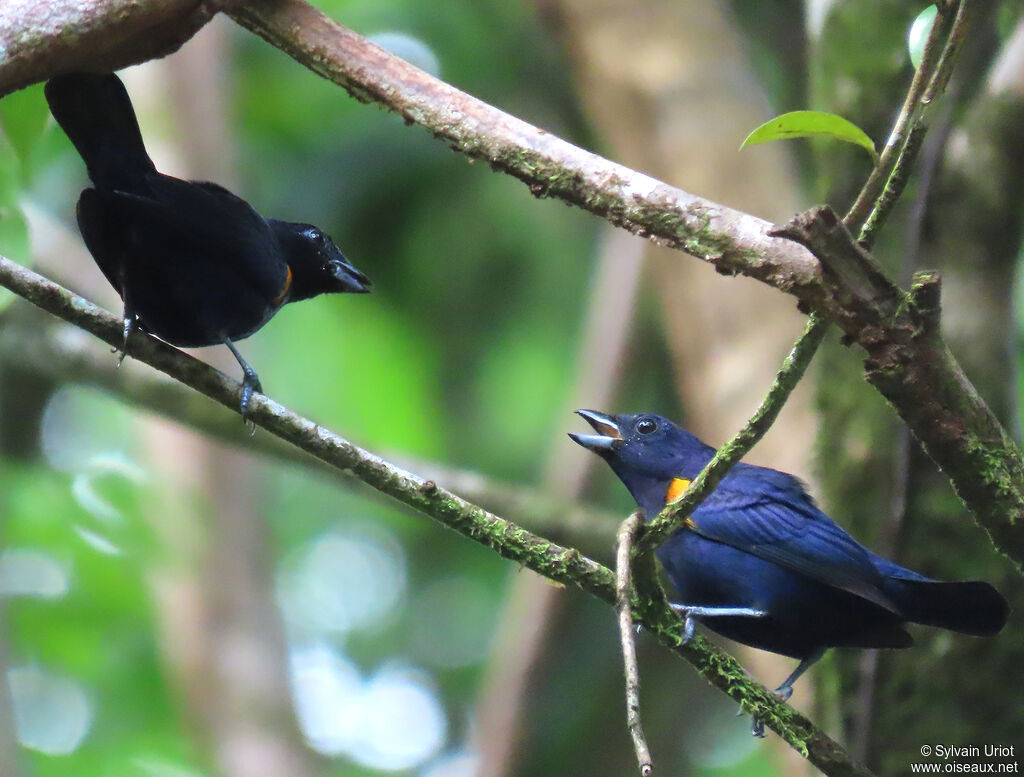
(561,564)
(869,193)
(624,595)
(908,134)
(789,375)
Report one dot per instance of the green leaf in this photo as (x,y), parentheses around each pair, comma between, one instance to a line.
(918,34)
(23,117)
(805,124)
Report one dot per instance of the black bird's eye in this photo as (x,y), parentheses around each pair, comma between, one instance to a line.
(646,426)
(315,235)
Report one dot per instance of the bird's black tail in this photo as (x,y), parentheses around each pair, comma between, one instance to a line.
(971,607)
(97,115)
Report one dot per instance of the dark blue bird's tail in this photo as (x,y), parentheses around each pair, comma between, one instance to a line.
(97,115)
(971,607)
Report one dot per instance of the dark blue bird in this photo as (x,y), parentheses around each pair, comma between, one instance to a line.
(759,563)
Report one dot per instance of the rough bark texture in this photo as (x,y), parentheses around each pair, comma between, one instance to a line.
(41,38)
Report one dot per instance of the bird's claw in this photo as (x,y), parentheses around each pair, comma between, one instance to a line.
(757,727)
(128,326)
(250,385)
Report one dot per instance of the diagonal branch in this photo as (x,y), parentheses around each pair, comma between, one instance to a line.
(59,355)
(948,31)
(789,375)
(561,564)
(550,166)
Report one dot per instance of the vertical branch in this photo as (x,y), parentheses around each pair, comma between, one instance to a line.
(624,595)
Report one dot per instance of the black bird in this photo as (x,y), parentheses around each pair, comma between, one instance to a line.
(759,563)
(194,264)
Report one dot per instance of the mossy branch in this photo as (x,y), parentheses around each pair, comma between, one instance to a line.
(561,564)
(671,518)
(56,354)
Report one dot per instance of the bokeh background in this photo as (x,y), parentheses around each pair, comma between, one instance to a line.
(175,605)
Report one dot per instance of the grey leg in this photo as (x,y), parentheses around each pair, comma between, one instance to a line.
(785,690)
(691,611)
(129,324)
(250,381)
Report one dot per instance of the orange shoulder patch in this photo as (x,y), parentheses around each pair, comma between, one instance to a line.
(279,299)
(676,489)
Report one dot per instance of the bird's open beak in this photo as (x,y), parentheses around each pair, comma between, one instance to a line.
(608,436)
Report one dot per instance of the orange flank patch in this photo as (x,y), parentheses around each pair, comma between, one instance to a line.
(279,299)
(676,489)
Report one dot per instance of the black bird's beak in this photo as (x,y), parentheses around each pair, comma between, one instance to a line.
(349,278)
(608,436)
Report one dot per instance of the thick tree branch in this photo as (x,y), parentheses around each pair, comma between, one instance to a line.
(910,364)
(40,38)
(561,564)
(551,167)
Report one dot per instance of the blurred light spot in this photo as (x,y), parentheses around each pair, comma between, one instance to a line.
(721,740)
(328,692)
(458,764)
(31,573)
(452,622)
(392,722)
(156,767)
(98,542)
(339,583)
(412,50)
(404,723)
(80,423)
(98,467)
(51,714)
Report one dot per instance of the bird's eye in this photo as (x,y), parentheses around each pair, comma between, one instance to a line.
(315,235)
(646,426)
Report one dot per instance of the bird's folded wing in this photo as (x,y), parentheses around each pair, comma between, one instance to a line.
(783,526)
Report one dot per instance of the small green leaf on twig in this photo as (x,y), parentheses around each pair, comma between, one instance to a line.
(918,34)
(805,124)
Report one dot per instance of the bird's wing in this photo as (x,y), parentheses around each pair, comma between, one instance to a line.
(181,222)
(778,521)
